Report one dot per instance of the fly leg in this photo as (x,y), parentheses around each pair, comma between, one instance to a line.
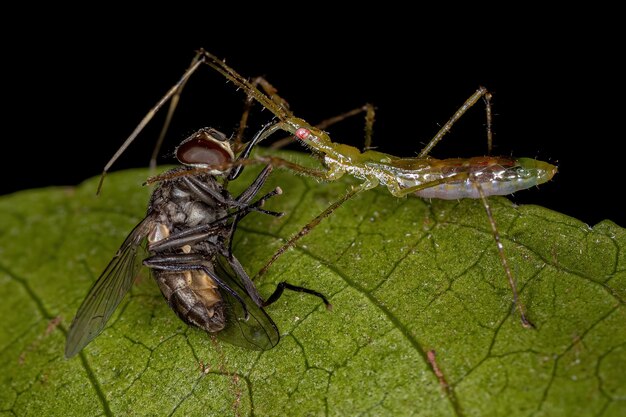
(282,286)
(210,195)
(327,174)
(266,131)
(244,198)
(473,99)
(200,233)
(254,293)
(254,188)
(186,237)
(189,262)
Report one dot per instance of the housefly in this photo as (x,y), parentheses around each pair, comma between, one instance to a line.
(188,228)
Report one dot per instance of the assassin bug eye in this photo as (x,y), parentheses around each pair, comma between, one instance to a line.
(303,133)
(205,148)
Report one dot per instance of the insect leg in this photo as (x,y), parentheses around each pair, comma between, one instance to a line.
(368,109)
(309,226)
(494,230)
(199,233)
(209,195)
(282,286)
(481,92)
(488,113)
(256,185)
(270,91)
(173,262)
(186,237)
(244,278)
(265,131)
(254,293)
(251,91)
(205,193)
(142,124)
(370,115)
(170,114)
(401,192)
(496,236)
(177,263)
(322,174)
(245,197)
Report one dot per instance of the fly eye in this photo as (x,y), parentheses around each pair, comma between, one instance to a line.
(198,151)
(215,135)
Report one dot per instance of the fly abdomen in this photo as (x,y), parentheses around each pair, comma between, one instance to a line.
(194,297)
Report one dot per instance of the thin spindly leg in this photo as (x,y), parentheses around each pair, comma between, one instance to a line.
(271,92)
(220,66)
(401,192)
(369,111)
(481,92)
(370,116)
(170,114)
(173,94)
(323,174)
(494,229)
(496,236)
(488,115)
(142,124)
(309,226)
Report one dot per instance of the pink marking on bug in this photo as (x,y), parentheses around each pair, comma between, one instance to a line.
(303,133)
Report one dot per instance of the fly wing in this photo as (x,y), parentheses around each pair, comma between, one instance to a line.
(257,331)
(107,292)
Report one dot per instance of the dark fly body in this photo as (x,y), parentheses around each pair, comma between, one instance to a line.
(188,228)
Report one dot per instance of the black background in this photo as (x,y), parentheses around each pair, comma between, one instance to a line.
(558,96)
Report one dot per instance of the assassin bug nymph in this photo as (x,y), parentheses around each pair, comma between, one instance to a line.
(422,176)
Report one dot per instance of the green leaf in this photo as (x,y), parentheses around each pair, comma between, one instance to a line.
(405,276)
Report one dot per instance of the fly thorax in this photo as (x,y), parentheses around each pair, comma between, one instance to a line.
(174,213)
(178,193)
(197,213)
